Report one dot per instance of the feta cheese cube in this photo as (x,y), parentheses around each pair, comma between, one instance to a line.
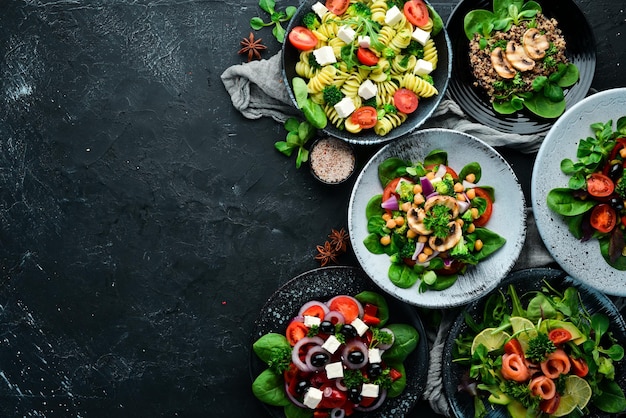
(369,390)
(346,34)
(319,9)
(373,355)
(364,41)
(345,107)
(360,326)
(423,67)
(367,89)
(420,35)
(325,55)
(334,370)
(331,344)
(309,321)
(312,397)
(393,16)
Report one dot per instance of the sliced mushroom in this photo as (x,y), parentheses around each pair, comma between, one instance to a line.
(535,44)
(444,244)
(447,201)
(502,65)
(415,218)
(517,57)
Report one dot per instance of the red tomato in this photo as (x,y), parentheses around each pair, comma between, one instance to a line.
(559,336)
(484,218)
(366,56)
(579,366)
(603,218)
(549,406)
(366,117)
(416,12)
(315,310)
(333,397)
(513,346)
(337,7)
(371,320)
(599,185)
(394,374)
(321,414)
(405,100)
(346,305)
(296,331)
(302,38)
(390,188)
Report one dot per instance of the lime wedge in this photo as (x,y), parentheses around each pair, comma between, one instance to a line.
(491,338)
(577,393)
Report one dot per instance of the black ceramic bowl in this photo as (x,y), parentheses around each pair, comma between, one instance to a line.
(581,51)
(441,75)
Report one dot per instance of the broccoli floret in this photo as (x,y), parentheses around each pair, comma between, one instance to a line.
(445,186)
(389,108)
(332,94)
(360,9)
(389,53)
(428,78)
(311,21)
(620,187)
(405,190)
(402,230)
(313,62)
(415,48)
(407,249)
(461,252)
(370,102)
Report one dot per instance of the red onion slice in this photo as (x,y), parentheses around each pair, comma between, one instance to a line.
(391,203)
(293,398)
(335,317)
(311,304)
(386,346)
(309,355)
(381,398)
(354,345)
(301,345)
(441,171)
(427,186)
(418,249)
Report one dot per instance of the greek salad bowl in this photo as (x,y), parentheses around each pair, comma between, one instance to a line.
(366,74)
(453,218)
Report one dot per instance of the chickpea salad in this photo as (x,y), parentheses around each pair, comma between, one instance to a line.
(430,221)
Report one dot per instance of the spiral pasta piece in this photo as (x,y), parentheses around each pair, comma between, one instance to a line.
(419,86)
(389,121)
(322,79)
(430,53)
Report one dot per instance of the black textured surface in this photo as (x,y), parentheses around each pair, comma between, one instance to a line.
(143,221)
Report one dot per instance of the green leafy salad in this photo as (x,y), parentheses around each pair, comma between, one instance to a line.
(592,204)
(546,356)
(430,221)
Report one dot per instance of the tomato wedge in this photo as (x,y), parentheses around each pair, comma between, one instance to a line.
(337,7)
(302,38)
(366,117)
(296,331)
(366,56)
(484,218)
(316,311)
(559,336)
(603,218)
(405,100)
(390,188)
(579,366)
(348,306)
(416,12)
(513,346)
(599,185)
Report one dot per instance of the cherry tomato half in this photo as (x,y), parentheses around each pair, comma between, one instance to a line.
(366,117)
(337,7)
(513,346)
(484,218)
(416,12)
(559,336)
(405,100)
(346,305)
(599,185)
(302,38)
(549,406)
(603,218)
(296,331)
(579,366)
(366,56)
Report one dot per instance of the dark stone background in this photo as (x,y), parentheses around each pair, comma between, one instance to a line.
(143,221)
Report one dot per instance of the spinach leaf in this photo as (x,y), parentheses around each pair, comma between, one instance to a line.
(405,341)
(266,346)
(561,201)
(373,207)
(471,168)
(540,307)
(611,398)
(398,385)
(474,20)
(402,275)
(293,411)
(373,245)
(491,242)
(435,157)
(269,387)
(391,168)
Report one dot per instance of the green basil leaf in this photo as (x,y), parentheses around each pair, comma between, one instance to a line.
(269,387)
(405,341)
(268,5)
(561,201)
(257,23)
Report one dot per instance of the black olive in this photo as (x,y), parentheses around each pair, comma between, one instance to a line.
(617,204)
(327,327)
(615,172)
(301,387)
(354,394)
(374,370)
(319,359)
(348,331)
(356,357)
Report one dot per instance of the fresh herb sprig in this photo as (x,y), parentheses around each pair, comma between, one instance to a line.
(298,134)
(277,18)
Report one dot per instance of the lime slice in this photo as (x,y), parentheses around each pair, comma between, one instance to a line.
(523,329)
(491,338)
(577,392)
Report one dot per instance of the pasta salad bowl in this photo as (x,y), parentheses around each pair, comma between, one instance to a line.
(376,73)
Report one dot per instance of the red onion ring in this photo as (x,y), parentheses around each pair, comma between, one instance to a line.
(309,355)
(358,304)
(381,398)
(427,186)
(336,316)
(312,303)
(354,345)
(341,385)
(295,352)
(293,398)
(418,249)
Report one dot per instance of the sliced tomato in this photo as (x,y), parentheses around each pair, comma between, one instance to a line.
(559,336)
(394,374)
(366,56)
(405,100)
(333,397)
(599,185)
(302,38)
(315,310)
(296,331)
(337,7)
(416,12)
(603,218)
(549,406)
(348,306)
(390,188)
(371,320)
(366,117)
(579,366)
(513,346)
(484,218)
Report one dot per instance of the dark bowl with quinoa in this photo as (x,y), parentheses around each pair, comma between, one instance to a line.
(474,98)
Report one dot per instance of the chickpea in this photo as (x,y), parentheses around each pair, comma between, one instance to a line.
(478,245)
(427,251)
(471,228)
(422,239)
(430,175)
(475,214)
(386,216)
(417,188)
(391,223)
(471,177)
(470,193)
(399,220)
(406,206)
(418,199)
(422,258)
(622,153)
(460,197)
(411,234)
(385,240)
(458,187)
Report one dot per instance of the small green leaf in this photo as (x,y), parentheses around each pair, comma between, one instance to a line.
(284,147)
(257,23)
(292,124)
(279,33)
(268,5)
(290,11)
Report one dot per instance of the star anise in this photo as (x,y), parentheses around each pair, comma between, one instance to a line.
(326,253)
(252,47)
(339,240)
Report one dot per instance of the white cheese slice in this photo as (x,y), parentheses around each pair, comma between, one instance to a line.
(346,34)
(310,321)
(345,107)
(334,370)
(373,355)
(312,397)
(367,89)
(319,9)
(325,55)
(393,16)
(420,35)
(364,41)
(331,344)
(423,67)
(360,326)
(369,390)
